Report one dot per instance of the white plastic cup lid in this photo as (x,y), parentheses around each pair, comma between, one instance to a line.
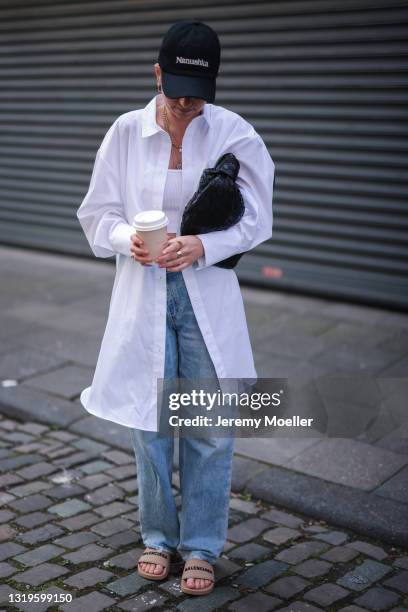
(149,220)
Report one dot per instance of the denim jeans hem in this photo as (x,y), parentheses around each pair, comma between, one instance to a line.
(198,555)
(161,548)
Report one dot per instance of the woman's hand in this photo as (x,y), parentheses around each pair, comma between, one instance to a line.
(191,248)
(139,253)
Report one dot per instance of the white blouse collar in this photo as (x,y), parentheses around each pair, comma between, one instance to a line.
(149,124)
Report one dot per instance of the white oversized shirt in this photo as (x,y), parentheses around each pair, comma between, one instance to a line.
(128,177)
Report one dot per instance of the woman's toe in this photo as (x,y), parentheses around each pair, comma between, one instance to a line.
(158,569)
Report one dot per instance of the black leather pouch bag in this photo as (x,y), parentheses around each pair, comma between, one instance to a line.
(217,204)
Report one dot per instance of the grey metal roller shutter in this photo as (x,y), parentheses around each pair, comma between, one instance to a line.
(323,81)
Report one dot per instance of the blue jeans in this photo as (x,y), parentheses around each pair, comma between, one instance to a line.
(205,464)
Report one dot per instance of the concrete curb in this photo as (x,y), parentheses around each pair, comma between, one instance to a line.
(364,513)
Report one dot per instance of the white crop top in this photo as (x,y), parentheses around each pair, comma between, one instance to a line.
(172,198)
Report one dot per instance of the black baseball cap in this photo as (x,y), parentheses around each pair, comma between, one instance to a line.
(189,58)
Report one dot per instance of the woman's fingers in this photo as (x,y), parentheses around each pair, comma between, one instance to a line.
(141,254)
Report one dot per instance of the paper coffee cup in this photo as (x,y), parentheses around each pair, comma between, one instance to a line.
(151,226)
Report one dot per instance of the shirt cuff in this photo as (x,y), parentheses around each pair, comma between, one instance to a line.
(120,238)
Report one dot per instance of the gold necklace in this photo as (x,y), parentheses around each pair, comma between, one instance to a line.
(176,146)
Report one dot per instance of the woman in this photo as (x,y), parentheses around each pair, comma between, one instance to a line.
(179,316)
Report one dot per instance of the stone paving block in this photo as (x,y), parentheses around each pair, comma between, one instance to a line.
(39,555)
(123,471)
(69,508)
(288,586)
(30,488)
(128,585)
(37,470)
(112,526)
(6,516)
(6,569)
(312,568)
(301,551)
(127,560)
(40,574)
(90,446)
(282,518)
(33,428)
(300,606)
(5,498)
(9,479)
(80,521)
(364,575)
(76,540)
(332,537)
(10,549)
(225,567)
(104,495)
(31,503)
(118,457)
(145,601)
(88,578)
(73,459)
(243,470)
(12,464)
(172,586)
(398,582)
(251,528)
(280,535)
(63,436)
(348,462)
(256,601)
(276,451)
(315,528)
(261,573)
(353,609)
(33,447)
(217,598)
(90,552)
(113,509)
(59,452)
(6,532)
(108,433)
(326,594)
(40,534)
(377,598)
(401,562)
(241,505)
(18,436)
(64,491)
(94,467)
(94,481)
(121,539)
(396,487)
(249,552)
(368,549)
(339,554)
(93,601)
(66,381)
(27,402)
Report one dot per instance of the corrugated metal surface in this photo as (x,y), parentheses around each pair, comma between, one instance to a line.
(324,82)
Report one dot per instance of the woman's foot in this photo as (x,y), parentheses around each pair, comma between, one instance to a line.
(151,568)
(154,564)
(198,577)
(197,583)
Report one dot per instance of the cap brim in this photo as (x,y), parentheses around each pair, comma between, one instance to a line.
(176,86)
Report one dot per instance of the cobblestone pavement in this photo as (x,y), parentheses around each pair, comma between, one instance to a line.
(69,526)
